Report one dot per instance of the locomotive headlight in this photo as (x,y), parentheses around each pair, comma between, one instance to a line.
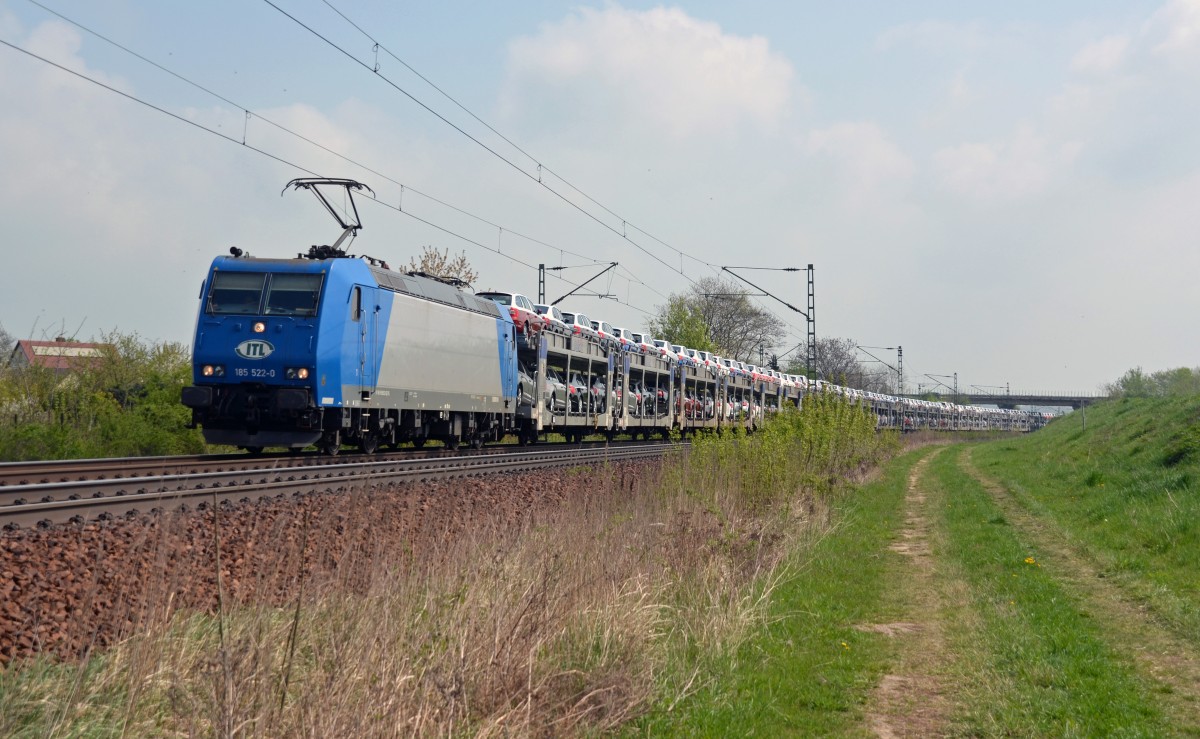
(302,373)
(207,370)
(213,370)
(259,327)
(296,373)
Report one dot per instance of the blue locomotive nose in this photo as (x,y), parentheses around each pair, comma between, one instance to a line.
(254,356)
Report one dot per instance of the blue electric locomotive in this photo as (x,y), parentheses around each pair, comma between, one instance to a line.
(329,349)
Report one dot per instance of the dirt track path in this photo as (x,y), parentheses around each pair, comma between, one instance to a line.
(911,701)
(1161,654)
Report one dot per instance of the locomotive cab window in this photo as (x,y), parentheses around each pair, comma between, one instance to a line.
(235,293)
(293,294)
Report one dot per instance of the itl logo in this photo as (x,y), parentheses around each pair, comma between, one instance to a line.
(254,349)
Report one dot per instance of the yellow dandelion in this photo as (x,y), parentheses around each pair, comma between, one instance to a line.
(845,645)
(1030,561)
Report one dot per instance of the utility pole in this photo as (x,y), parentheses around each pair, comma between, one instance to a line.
(898,369)
(810,316)
(812,325)
(541,284)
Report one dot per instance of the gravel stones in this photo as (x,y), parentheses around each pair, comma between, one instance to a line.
(70,589)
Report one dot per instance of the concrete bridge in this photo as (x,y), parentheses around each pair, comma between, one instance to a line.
(1012,400)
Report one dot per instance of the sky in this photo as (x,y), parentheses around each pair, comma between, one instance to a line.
(1010,191)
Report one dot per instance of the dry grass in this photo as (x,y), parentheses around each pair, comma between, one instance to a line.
(563,624)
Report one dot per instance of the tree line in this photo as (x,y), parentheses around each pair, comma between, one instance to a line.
(1137,383)
(124,402)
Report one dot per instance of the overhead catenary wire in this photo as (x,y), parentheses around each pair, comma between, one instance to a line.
(365,167)
(250,113)
(404,187)
(626,274)
(374,70)
(542,167)
(272,156)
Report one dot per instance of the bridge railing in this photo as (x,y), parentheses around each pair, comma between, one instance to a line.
(1036,394)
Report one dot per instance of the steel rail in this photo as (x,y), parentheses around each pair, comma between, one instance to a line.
(41,504)
(65,470)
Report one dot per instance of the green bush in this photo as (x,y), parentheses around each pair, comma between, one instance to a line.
(122,405)
(1164,384)
(814,448)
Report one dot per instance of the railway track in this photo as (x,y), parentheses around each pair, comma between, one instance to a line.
(67,470)
(106,489)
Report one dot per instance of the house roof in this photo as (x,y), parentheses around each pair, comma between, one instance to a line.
(55,355)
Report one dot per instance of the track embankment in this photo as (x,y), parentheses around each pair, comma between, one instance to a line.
(68,590)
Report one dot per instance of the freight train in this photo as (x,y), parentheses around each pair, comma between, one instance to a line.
(329,349)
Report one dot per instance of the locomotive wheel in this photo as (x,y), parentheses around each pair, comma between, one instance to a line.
(330,444)
(418,442)
(476,442)
(369,443)
(254,450)
(452,443)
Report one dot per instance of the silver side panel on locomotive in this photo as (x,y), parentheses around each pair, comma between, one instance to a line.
(439,357)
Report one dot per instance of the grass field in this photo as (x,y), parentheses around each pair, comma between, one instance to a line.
(1044,585)
(1041,585)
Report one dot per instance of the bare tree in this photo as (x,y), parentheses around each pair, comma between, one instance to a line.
(837,361)
(736,327)
(7,342)
(439,264)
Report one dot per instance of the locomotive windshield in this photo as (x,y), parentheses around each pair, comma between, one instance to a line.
(242,293)
(236,293)
(293,295)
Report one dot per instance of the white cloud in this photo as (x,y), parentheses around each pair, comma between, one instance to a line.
(960,91)
(659,67)
(1104,55)
(122,205)
(9,25)
(866,161)
(1175,29)
(1023,165)
(934,35)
